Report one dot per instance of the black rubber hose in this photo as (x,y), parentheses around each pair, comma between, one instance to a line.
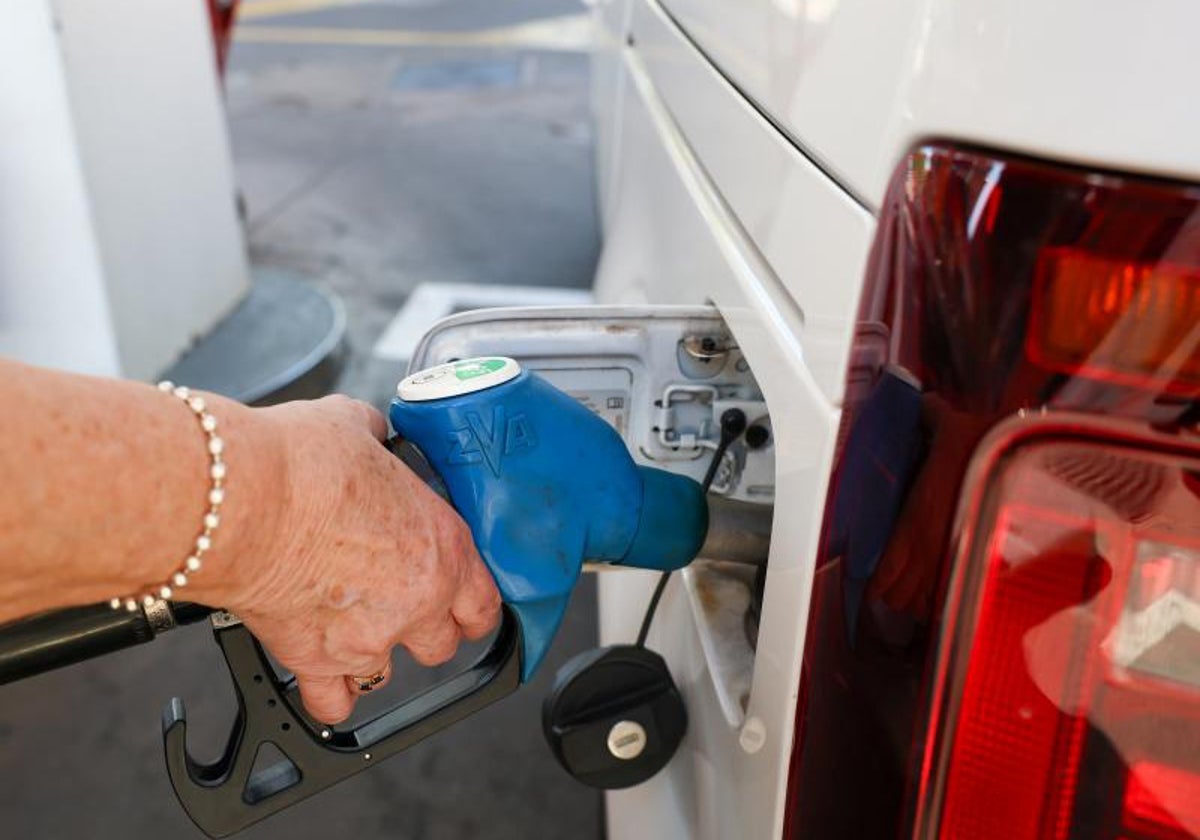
(56,639)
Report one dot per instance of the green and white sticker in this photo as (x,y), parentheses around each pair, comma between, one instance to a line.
(454,379)
(479,367)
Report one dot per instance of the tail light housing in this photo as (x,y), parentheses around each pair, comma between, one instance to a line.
(222,15)
(1069,680)
(1004,638)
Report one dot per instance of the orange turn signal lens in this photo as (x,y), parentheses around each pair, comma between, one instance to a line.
(1129,322)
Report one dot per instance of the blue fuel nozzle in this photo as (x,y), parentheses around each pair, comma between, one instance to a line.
(544,484)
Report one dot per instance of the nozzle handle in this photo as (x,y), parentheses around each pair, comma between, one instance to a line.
(229,794)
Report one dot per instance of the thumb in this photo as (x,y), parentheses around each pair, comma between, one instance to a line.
(327,699)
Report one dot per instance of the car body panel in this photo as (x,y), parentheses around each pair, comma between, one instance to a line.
(797,348)
(798,224)
(856,83)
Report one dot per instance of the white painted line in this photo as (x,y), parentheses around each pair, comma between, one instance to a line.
(431,302)
(251,9)
(565,33)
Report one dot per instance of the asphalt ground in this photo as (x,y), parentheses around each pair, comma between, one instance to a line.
(423,141)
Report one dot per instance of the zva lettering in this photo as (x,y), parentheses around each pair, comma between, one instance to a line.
(490,442)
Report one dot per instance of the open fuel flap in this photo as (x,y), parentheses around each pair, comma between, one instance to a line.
(663,377)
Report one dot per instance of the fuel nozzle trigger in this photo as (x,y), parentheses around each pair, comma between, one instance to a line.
(544,484)
(230,794)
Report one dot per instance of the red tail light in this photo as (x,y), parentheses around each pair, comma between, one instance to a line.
(1074,673)
(1116,319)
(1014,651)
(1146,815)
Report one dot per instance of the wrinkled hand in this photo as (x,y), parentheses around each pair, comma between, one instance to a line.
(362,557)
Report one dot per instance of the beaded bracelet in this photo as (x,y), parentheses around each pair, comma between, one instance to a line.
(216,495)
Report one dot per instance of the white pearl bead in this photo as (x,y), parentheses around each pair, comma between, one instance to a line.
(216,495)
(130,604)
(115,603)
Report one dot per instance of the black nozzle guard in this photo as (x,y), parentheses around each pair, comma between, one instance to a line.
(228,795)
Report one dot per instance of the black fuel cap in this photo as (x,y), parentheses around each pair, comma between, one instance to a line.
(614,717)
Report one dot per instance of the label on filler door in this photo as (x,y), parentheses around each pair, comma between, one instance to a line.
(610,406)
(454,379)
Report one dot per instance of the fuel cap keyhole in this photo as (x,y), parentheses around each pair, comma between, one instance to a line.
(626,739)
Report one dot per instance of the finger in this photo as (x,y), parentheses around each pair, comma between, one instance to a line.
(375,421)
(370,680)
(359,412)
(327,699)
(476,606)
(435,642)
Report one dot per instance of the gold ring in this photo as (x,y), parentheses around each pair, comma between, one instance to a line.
(368,683)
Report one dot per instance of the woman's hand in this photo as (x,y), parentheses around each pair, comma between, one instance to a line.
(329,549)
(352,555)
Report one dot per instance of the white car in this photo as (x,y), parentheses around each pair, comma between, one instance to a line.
(958,244)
